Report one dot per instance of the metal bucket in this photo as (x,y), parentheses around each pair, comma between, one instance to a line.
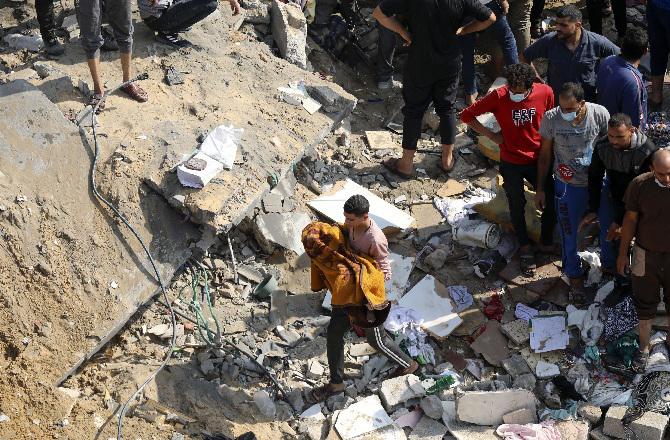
(479,234)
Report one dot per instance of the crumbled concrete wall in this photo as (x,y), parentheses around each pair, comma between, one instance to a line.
(289,29)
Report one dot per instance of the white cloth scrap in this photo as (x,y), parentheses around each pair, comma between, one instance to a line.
(405,323)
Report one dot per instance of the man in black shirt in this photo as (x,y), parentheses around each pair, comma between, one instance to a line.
(624,154)
(433,65)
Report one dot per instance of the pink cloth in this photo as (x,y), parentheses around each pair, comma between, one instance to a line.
(373,242)
(542,431)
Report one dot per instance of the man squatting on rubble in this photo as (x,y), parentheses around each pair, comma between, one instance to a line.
(569,132)
(432,68)
(367,240)
(647,211)
(519,108)
(168,18)
(617,159)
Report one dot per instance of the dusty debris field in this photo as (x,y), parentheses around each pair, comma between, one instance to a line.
(64,271)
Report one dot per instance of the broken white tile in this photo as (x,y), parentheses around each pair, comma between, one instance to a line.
(313,412)
(546,370)
(382,212)
(380,140)
(362,417)
(548,333)
(432,301)
(401,268)
(363,349)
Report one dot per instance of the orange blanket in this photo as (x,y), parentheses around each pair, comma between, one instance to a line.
(353,279)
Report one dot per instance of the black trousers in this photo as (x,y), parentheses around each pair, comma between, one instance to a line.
(377,337)
(594,8)
(442,93)
(46,19)
(536,12)
(514,176)
(386,45)
(181,15)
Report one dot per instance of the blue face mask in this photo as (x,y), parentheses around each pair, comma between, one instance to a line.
(569,116)
(517,97)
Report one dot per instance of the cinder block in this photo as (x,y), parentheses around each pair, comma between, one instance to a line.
(289,30)
(520,417)
(651,426)
(395,392)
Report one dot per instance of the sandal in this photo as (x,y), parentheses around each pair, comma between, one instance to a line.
(400,371)
(322,393)
(135,92)
(97,101)
(392,166)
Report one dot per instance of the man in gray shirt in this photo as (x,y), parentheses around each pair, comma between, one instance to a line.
(569,132)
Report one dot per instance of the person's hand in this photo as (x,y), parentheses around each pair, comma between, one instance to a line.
(622,264)
(505,6)
(405,35)
(540,201)
(495,137)
(587,220)
(614,232)
(234,6)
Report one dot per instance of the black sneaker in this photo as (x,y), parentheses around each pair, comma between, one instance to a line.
(171,39)
(54,48)
(640,361)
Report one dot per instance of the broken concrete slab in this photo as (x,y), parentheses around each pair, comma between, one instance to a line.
(432,407)
(362,417)
(282,229)
(546,370)
(428,429)
(651,426)
(464,431)
(432,302)
(521,417)
(381,140)
(395,392)
(597,434)
(427,216)
(488,407)
(492,344)
(387,216)
(517,331)
(525,381)
(473,319)
(362,349)
(51,164)
(516,365)
(256,12)
(289,30)
(450,188)
(401,268)
(331,100)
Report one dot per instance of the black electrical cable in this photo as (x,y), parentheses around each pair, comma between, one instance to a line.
(97,194)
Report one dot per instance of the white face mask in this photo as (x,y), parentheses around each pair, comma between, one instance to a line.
(660,184)
(569,116)
(517,97)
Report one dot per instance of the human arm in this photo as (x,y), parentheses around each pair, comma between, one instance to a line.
(631,104)
(379,250)
(539,49)
(595,185)
(627,233)
(543,163)
(607,48)
(488,103)
(392,23)
(476,25)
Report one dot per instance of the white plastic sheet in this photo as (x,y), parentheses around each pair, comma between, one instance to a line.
(221,144)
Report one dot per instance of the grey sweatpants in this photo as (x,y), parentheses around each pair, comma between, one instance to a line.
(377,338)
(119,15)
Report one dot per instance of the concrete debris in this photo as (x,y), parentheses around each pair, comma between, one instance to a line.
(314,369)
(546,370)
(651,426)
(265,404)
(464,431)
(517,331)
(492,344)
(489,407)
(591,413)
(381,140)
(398,391)
(289,30)
(331,100)
(362,349)
(32,43)
(573,429)
(281,229)
(428,429)
(290,336)
(516,366)
(363,417)
(525,381)
(432,407)
(256,12)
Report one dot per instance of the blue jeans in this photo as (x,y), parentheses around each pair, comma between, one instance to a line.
(571,205)
(508,44)
(658,21)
